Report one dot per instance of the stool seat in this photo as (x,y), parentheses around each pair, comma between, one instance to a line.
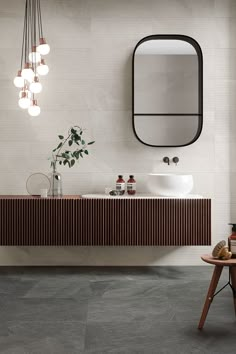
(219,265)
(209,259)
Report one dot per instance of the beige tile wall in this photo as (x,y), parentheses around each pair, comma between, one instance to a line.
(90,84)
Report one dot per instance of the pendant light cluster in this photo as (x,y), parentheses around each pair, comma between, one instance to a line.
(34,47)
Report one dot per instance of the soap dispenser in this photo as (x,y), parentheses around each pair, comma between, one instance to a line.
(120,184)
(232,240)
(131,185)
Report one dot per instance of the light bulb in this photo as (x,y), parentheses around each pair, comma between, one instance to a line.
(34,56)
(34,109)
(27,73)
(43,48)
(24,101)
(35,86)
(42,68)
(19,80)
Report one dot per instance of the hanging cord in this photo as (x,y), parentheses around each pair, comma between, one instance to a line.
(29,27)
(26,29)
(40,19)
(32,30)
(31,21)
(35,19)
(23,39)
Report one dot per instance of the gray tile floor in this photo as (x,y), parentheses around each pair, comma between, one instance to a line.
(112,310)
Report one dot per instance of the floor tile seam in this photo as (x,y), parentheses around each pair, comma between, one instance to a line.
(15,321)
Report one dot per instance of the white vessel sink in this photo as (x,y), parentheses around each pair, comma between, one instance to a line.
(170,185)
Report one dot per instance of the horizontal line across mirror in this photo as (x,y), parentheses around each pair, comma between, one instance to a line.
(167,114)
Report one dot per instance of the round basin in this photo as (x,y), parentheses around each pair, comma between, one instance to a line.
(170,185)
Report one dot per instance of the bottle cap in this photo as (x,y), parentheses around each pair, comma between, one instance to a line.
(120,176)
(234,226)
(131,176)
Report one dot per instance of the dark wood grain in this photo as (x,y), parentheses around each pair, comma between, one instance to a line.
(210,295)
(211,260)
(72,220)
(233,281)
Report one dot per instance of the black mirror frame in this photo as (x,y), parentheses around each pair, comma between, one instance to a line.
(197,47)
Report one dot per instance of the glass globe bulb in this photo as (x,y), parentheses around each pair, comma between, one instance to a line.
(19,80)
(34,109)
(43,49)
(27,74)
(24,102)
(42,69)
(35,87)
(34,57)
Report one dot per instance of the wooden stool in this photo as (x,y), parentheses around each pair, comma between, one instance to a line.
(219,265)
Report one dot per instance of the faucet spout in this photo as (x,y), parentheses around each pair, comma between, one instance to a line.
(166,160)
(175,160)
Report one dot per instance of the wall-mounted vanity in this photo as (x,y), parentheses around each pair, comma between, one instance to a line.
(104,221)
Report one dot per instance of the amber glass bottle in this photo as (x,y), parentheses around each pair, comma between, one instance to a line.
(120,184)
(131,185)
(232,241)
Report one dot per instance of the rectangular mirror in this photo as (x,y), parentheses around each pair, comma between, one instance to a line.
(167,90)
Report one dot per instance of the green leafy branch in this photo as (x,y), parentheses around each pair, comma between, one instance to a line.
(63,155)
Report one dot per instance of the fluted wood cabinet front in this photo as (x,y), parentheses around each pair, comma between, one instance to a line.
(104,222)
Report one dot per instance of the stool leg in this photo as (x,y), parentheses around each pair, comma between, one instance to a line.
(214,281)
(233,281)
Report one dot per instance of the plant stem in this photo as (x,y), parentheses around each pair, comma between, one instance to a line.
(57,155)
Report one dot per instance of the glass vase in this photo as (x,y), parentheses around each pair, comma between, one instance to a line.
(56,182)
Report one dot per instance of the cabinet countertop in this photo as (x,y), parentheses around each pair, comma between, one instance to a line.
(100,196)
(38,197)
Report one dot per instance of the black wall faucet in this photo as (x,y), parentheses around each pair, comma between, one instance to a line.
(175,160)
(166,160)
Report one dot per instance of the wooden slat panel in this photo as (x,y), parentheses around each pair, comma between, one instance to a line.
(104,222)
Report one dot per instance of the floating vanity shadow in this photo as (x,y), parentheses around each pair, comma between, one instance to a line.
(74,221)
(167,90)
